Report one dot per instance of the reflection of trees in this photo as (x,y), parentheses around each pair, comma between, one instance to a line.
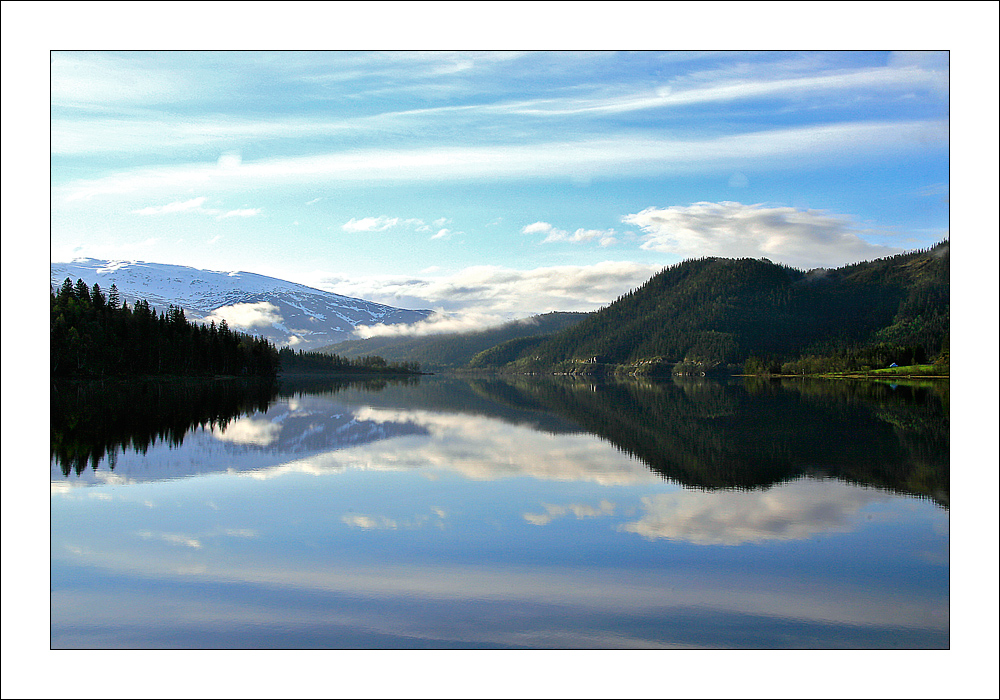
(329,386)
(755,434)
(91,420)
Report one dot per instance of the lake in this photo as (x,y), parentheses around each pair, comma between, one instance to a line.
(528,512)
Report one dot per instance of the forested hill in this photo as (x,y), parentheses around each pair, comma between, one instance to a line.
(453,350)
(723,312)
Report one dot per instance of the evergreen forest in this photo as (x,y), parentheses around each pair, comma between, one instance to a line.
(97,335)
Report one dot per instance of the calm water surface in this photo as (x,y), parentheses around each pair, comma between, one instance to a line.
(528,513)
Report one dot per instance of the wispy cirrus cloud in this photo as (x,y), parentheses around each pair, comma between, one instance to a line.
(99,79)
(589,158)
(196,205)
(897,78)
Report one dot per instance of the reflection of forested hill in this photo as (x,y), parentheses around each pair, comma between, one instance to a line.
(714,435)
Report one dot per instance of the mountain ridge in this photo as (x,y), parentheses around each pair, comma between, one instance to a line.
(712,312)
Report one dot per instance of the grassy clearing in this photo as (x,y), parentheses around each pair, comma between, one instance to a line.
(905,371)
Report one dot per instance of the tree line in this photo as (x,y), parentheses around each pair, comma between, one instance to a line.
(309,362)
(93,334)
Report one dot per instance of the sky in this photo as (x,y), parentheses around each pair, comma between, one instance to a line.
(495,184)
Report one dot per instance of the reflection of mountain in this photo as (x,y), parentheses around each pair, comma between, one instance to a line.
(714,435)
(157,430)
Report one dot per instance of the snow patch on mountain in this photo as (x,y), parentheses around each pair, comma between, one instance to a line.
(286,313)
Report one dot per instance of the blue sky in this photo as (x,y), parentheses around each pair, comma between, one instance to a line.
(495,183)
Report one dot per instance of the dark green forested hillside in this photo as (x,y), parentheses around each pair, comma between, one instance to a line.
(723,312)
(452,350)
(93,334)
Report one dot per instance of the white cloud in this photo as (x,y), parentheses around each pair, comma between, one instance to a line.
(240,213)
(537,227)
(247,315)
(371,224)
(196,205)
(581,235)
(801,238)
(376,224)
(438,322)
(445,234)
(480,296)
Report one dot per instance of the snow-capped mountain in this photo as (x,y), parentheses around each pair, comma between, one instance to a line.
(286,313)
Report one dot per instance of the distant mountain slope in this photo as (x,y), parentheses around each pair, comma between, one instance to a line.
(717,310)
(284,312)
(449,350)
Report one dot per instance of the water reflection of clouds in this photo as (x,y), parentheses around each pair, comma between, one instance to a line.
(369,522)
(794,511)
(381,522)
(249,431)
(171,538)
(478,448)
(580,510)
(579,594)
